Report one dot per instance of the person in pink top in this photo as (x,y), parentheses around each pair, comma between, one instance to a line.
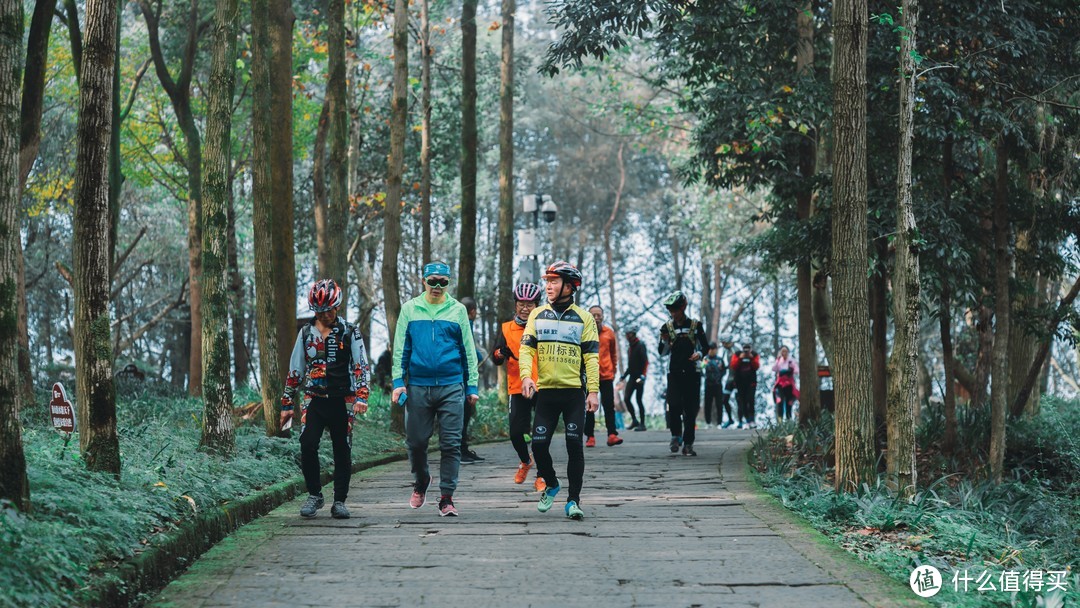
(784,390)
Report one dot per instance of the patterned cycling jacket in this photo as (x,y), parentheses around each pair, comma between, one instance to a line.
(334,367)
(564,346)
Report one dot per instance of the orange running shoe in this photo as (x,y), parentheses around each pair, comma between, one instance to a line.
(522,472)
(590,442)
(613,440)
(540,484)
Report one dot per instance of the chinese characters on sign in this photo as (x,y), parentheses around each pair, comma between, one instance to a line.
(60,410)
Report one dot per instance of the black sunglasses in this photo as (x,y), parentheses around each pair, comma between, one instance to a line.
(433,282)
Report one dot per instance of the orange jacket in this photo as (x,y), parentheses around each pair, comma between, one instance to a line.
(510,336)
(609,353)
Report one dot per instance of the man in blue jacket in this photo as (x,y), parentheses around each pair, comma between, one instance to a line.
(435,375)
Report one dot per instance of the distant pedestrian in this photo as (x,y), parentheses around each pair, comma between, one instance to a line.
(609,360)
(328,361)
(715,368)
(435,375)
(637,366)
(684,339)
(744,367)
(785,392)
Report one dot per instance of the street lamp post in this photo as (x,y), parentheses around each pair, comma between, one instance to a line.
(537,205)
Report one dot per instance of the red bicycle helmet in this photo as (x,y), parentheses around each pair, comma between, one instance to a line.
(527,292)
(566,272)
(324,295)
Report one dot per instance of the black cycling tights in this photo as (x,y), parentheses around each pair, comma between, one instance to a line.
(550,404)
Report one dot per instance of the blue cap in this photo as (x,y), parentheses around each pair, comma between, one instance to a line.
(438,268)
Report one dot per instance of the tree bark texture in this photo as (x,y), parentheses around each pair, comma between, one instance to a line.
(264,219)
(467,253)
(281,175)
(337,239)
(318,189)
(13,482)
(425,132)
(809,402)
(879,340)
(95,391)
(903,383)
(945,311)
(241,361)
(613,312)
(823,311)
(217,431)
(506,163)
(1023,344)
(999,379)
(396,161)
(851,362)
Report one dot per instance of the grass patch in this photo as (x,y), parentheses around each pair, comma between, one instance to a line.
(83,524)
(958,521)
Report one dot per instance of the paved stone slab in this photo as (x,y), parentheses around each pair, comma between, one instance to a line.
(660,530)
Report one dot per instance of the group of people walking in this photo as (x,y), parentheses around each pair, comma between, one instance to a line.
(560,362)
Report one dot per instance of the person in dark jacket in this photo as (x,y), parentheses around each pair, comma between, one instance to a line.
(637,367)
(715,368)
(744,366)
(684,339)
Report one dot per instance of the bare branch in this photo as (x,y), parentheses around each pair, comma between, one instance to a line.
(127,252)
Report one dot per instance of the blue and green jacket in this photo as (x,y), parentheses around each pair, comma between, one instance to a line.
(433,345)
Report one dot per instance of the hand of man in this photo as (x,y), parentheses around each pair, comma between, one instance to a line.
(592,402)
(641,379)
(286,416)
(359,407)
(696,356)
(528,388)
(398,392)
(472,399)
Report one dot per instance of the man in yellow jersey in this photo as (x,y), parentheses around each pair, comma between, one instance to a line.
(561,341)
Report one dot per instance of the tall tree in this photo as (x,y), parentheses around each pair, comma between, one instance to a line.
(217,431)
(809,404)
(241,361)
(903,385)
(467,257)
(851,345)
(91,247)
(264,218)
(396,161)
(506,163)
(1003,260)
(282,19)
(425,130)
(179,92)
(13,483)
(338,208)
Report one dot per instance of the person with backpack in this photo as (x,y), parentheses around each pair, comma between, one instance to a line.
(715,368)
(784,390)
(507,350)
(684,340)
(744,366)
(637,366)
(609,360)
(435,376)
(562,343)
(328,361)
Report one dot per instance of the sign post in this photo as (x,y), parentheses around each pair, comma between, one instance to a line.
(62,414)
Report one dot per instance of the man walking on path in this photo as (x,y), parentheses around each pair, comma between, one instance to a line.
(561,342)
(637,365)
(684,339)
(467,455)
(744,366)
(328,359)
(609,360)
(507,350)
(715,368)
(435,375)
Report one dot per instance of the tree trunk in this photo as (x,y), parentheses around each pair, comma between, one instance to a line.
(823,311)
(319,195)
(337,240)
(13,482)
(1024,391)
(706,299)
(217,431)
(271,379)
(425,132)
(398,117)
(281,176)
(999,383)
(467,256)
(851,363)
(90,256)
(677,260)
(506,162)
(903,386)
(236,300)
(718,300)
(945,311)
(608,253)
(809,401)
(1023,345)
(776,314)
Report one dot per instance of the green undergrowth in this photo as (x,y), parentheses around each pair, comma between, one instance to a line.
(958,521)
(82,524)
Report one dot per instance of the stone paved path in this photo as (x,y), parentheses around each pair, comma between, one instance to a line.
(660,530)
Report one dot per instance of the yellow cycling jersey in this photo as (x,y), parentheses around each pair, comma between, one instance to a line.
(564,346)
